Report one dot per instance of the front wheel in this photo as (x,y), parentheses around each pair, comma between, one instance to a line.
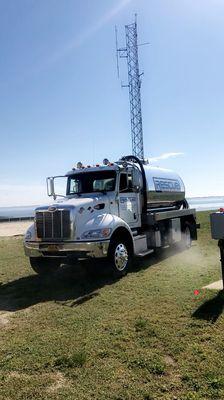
(120,256)
(44,266)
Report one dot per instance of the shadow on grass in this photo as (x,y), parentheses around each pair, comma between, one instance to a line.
(211,309)
(71,285)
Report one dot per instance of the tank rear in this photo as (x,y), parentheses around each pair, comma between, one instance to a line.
(165,188)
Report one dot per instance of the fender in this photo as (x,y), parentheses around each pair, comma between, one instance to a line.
(30,234)
(106,221)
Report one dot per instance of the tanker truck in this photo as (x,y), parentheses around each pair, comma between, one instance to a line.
(114,211)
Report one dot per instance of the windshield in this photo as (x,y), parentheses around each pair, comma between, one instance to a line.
(90,182)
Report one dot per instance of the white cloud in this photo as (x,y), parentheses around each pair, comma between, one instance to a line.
(164,156)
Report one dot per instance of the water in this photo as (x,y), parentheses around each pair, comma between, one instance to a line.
(200,203)
(17,212)
(206,203)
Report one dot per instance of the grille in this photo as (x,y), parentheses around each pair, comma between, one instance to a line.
(53,224)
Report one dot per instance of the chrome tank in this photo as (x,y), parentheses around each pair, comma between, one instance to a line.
(164,187)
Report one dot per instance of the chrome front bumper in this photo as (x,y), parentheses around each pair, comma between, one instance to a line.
(64,249)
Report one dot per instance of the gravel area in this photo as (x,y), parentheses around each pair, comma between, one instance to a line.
(14,228)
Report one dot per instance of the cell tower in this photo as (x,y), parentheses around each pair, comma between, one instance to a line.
(130,52)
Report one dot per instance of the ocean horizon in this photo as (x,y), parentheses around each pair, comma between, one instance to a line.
(200,203)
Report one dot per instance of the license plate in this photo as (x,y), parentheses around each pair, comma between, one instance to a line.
(52,247)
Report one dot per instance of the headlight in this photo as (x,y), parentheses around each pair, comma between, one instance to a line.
(97,234)
(28,235)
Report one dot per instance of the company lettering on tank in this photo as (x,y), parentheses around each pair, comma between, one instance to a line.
(166,185)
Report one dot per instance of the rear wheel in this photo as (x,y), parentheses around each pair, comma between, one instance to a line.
(44,266)
(120,256)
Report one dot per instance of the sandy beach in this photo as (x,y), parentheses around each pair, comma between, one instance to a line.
(14,228)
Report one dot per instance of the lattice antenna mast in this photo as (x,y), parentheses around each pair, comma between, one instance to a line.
(134,85)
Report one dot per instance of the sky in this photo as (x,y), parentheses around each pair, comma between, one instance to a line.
(62,102)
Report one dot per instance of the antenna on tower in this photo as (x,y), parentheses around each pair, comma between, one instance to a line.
(116,40)
(130,52)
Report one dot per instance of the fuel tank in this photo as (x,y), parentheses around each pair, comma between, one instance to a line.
(164,188)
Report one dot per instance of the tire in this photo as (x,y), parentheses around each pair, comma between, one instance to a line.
(120,256)
(44,266)
(186,237)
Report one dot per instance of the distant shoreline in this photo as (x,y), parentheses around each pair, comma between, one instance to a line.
(206,197)
(203,203)
(13,207)
(188,199)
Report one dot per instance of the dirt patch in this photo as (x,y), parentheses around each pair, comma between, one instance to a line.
(18,375)
(4,319)
(59,382)
(169,360)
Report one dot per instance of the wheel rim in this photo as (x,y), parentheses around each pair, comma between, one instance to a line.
(121,257)
(188,237)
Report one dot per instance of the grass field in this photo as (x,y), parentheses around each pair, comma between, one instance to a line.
(146,336)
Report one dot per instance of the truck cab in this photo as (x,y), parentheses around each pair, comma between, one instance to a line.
(109,211)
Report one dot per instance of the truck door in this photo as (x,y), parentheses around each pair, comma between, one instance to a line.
(128,200)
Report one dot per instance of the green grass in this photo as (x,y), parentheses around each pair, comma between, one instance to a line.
(146,336)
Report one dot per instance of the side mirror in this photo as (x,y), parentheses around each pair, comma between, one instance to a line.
(50,187)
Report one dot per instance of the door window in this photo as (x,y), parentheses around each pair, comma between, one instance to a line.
(126,184)
(123,183)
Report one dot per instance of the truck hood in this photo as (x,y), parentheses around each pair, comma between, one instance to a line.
(80,205)
(82,201)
